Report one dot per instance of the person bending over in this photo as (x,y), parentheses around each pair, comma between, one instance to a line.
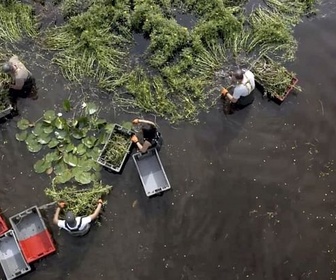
(76,226)
(244,85)
(151,137)
(23,83)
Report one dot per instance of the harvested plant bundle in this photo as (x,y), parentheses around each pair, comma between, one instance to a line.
(4,101)
(271,35)
(116,149)
(82,202)
(16,21)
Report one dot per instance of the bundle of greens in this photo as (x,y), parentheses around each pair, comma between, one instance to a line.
(82,202)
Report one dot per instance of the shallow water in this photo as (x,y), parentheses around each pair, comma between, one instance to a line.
(252,193)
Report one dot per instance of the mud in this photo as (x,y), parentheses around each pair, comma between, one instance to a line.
(253,193)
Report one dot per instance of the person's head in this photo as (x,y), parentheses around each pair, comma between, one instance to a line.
(70,219)
(237,75)
(148,131)
(7,67)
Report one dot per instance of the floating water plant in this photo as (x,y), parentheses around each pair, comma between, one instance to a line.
(72,144)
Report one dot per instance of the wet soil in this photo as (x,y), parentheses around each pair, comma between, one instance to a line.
(253,193)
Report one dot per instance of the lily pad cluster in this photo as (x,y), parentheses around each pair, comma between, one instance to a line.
(73,144)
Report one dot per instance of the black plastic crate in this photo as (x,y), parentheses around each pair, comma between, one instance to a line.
(103,158)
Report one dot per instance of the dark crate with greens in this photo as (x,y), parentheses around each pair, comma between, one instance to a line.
(5,106)
(116,149)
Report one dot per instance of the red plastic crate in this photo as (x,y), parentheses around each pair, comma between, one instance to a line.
(290,88)
(37,246)
(3,226)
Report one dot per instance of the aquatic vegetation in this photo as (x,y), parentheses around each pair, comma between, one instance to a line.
(173,77)
(72,144)
(17,20)
(271,35)
(82,202)
(89,47)
(275,78)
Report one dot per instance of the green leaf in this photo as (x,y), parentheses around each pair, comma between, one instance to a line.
(31,138)
(81,149)
(89,141)
(21,136)
(83,177)
(59,123)
(91,108)
(60,167)
(23,124)
(94,153)
(69,148)
(49,116)
(83,122)
(66,105)
(109,127)
(70,159)
(127,125)
(53,143)
(77,134)
(48,129)
(44,139)
(41,166)
(51,157)
(34,147)
(38,130)
(60,134)
(64,177)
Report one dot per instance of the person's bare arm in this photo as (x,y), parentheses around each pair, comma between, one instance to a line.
(148,122)
(143,148)
(95,214)
(18,84)
(231,98)
(56,215)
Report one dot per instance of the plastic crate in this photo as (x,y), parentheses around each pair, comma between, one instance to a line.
(32,234)
(151,172)
(3,226)
(275,96)
(6,112)
(12,261)
(127,133)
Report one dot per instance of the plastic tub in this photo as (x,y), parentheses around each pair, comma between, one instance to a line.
(103,160)
(32,234)
(151,172)
(3,226)
(11,258)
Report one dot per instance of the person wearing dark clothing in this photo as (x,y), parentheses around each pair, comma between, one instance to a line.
(151,136)
(23,83)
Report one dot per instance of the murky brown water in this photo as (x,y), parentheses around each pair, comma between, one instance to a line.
(253,193)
